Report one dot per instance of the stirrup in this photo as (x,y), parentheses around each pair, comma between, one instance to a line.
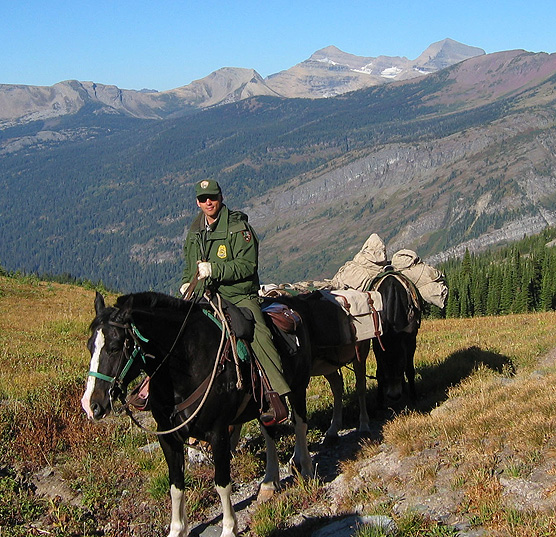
(278,413)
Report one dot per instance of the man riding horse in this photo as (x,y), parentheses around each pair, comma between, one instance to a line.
(221,253)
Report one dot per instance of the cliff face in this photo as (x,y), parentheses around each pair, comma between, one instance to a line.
(474,189)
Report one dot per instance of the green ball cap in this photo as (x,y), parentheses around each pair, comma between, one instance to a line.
(207,187)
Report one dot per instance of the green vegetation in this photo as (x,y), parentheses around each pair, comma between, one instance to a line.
(485,371)
(516,279)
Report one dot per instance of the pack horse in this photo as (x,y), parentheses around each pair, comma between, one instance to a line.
(395,351)
(195,389)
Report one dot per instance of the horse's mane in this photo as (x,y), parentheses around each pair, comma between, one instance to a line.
(153,300)
(148,300)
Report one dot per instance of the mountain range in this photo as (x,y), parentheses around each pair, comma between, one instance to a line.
(461,157)
(328,72)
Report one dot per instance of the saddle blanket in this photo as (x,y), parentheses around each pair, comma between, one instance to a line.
(363,308)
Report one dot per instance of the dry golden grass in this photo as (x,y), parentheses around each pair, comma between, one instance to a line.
(494,407)
(43,364)
(43,333)
(496,419)
(523,338)
(487,405)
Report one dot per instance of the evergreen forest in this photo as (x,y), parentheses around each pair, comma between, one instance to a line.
(517,278)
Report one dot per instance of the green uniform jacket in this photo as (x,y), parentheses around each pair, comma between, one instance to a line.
(232,248)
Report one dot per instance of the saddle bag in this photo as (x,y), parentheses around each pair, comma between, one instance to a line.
(283,317)
(363,308)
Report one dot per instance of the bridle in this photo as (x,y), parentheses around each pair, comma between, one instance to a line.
(116,389)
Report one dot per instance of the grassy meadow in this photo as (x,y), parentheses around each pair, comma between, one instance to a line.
(485,417)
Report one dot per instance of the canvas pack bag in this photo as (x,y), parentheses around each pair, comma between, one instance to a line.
(430,282)
(365,266)
(363,309)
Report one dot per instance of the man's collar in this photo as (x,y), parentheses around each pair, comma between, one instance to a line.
(211,227)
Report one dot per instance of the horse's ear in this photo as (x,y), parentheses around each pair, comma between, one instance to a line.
(99,303)
(128,304)
(124,310)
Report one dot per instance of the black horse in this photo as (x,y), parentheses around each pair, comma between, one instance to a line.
(394,352)
(193,392)
(332,347)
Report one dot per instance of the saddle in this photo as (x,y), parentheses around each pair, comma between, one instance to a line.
(284,322)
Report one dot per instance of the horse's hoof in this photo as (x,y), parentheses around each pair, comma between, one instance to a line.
(331,433)
(265,494)
(227,532)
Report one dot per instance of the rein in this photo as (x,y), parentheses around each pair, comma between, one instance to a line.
(204,388)
(208,382)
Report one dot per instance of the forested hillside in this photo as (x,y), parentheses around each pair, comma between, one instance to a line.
(429,164)
(113,204)
(518,278)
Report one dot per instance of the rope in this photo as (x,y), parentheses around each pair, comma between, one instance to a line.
(220,313)
(200,406)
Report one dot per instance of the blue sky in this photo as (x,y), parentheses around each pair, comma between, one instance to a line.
(165,44)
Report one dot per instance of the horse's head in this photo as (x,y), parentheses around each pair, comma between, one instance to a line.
(113,351)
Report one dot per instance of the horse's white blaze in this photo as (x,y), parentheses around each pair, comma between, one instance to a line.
(95,359)
(179,524)
(229,520)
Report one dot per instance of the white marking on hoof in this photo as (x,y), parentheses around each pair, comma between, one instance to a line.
(229,520)
(179,526)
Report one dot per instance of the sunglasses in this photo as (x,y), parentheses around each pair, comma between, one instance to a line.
(205,197)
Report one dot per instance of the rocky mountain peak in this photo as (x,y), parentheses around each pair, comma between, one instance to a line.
(228,84)
(445,53)
(327,73)
(330,71)
(334,56)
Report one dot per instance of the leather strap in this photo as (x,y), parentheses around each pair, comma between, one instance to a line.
(376,319)
(192,285)
(194,397)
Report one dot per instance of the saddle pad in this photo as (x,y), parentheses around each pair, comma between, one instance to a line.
(359,306)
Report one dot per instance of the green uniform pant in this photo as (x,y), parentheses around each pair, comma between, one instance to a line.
(264,348)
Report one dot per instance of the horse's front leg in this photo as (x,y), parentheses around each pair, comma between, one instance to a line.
(271,480)
(175,459)
(336,381)
(410,366)
(220,444)
(360,369)
(301,457)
